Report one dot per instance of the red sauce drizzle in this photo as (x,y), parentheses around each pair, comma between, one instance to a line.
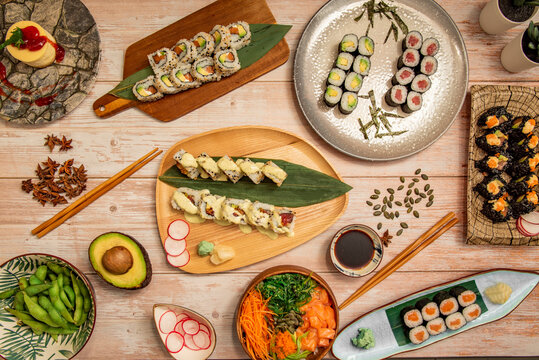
(34,42)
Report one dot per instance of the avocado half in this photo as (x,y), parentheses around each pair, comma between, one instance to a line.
(113,264)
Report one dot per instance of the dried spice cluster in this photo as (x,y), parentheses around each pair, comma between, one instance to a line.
(51,141)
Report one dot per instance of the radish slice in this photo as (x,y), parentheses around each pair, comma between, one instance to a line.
(167,322)
(174,342)
(521,229)
(178,229)
(180,260)
(179,327)
(202,340)
(532,218)
(190,326)
(174,247)
(204,328)
(182,316)
(530,228)
(190,343)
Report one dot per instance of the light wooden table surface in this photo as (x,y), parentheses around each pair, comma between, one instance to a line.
(124,328)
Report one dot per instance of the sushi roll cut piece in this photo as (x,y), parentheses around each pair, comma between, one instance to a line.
(187,199)
(494,164)
(273,172)
(227,62)
(430,47)
(164,84)
(418,335)
(251,169)
(187,164)
(493,142)
(471,312)
(524,204)
(362,65)
(446,303)
(185,51)
(353,82)
(230,168)
(204,44)
(283,221)
(414,102)
(413,40)
(521,127)
(411,317)
(162,60)
(261,214)
(240,34)
(336,77)
(403,76)
(524,165)
(221,36)
(344,61)
(396,95)
(145,90)
(235,211)
(421,83)
(348,43)
(522,185)
(348,102)
(455,321)
(526,146)
(211,207)
(495,118)
(182,78)
(429,309)
(209,165)
(464,296)
(492,187)
(204,70)
(436,326)
(332,95)
(428,65)
(365,46)
(497,210)
(409,58)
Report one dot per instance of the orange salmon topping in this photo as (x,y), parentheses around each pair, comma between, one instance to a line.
(178,50)
(436,327)
(419,335)
(413,317)
(158,57)
(151,90)
(528,126)
(430,311)
(534,140)
(210,69)
(533,181)
(197,44)
(234,30)
(499,205)
(492,162)
(468,298)
(532,197)
(493,187)
(492,121)
(492,139)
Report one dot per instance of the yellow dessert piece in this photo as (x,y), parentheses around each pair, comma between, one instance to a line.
(40,58)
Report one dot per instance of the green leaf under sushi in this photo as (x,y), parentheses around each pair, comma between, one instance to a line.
(263,38)
(302,187)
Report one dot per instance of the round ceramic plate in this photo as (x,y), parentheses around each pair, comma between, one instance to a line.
(316,54)
(34,96)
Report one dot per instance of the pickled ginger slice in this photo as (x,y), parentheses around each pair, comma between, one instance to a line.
(499,293)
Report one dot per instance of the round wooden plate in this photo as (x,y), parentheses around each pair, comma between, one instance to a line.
(248,141)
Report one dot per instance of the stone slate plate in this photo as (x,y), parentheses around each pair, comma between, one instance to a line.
(69,81)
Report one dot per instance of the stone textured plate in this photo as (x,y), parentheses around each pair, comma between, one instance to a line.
(317,51)
(69,81)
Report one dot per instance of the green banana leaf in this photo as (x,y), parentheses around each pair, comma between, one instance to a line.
(263,38)
(302,187)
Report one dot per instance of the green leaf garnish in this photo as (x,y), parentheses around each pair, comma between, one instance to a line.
(15,39)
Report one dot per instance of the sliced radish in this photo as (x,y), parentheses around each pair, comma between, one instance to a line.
(182,316)
(204,328)
(190,343)
(521,229)
(532,218)
(167,322)
(190,326)
(530,228)
(180,260)
(174,342)
(202,340)
(174,247)
(179,327)
(178,229)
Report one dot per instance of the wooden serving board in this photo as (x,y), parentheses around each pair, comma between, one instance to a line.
(518,100)
(174,106)
(248,141)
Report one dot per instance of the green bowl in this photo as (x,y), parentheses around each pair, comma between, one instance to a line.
(19,342)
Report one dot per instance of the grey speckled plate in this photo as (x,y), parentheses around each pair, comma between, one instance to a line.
(317,51)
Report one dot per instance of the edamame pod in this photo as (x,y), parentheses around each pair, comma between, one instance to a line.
(37,311)
(8,293)
(54,292)
(79,302)
(53,313)
(37,327)
(41,272)
(19,314)
(54,267)
(36,289)
(62,293)
(54,336)
(86,294)
(23,283)
(61,331)
(70,293)
(52,276)
(34,280)
(18,304)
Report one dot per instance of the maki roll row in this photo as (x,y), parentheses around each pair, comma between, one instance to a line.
(447,310)
(190,63)
(415,65)
(351,66)
(509,166)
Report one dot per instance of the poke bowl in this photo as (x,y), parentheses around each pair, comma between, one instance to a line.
(287,311)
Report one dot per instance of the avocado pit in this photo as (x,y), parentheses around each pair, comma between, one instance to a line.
(117,260)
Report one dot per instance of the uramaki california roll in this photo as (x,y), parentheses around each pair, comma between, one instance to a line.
(436,326)
(221,36)
(455,321)
(396,95)
(365,46)
(204,44)
(497,210)
(524,165)
(348,102)
(336,77)
(162,60)
(227,62)
(414,102)
(409,58)
(523,184)
(164,84)
(145,90)
(446,303)
(349,43)
(411,316)
(464,296)
(185,51)
(403,76)
(494,164)
(492,187)
(353,82)
(240,34)
(493,142)
(332,95)
(521,127)
(495,118)
(413,40)
(204,70)
(344,61)
(182,77)
(362,65)
(429,309)
(525,204)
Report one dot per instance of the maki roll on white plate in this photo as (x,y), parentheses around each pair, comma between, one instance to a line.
(413,40)
(362,65)
(365,46)
(187,199)
(145,90)
(492,187)
(187,164)
(403,76)
(495,118)
(428,65)
(414,102)
(332,95)
(521,127)
(274,172)
(429,309)
(204,44)
(240,34)
(283,221)
(348,102)
(430,47)
(227,62)
(344,61)
(436,326)
(204,70)
(455,321)
(411,317)
(497,210)
(162,60)
(525,204)
(464,296)
(230,168)
(348,43)
(421,83)
(353,82)
(493,142)
(494,164)
(185,51)
(209,165)
(523,184)
(250,169)
(211,207)
(182,78)
(221,36)
(471,312)
(260,214)
(336,77)
(396,95)
(446,303)
(418,334)
(164,84)
(409,58)
(235,211)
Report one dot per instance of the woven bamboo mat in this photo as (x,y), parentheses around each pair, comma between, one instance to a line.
(518,100)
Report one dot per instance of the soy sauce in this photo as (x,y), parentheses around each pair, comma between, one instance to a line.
(354,249)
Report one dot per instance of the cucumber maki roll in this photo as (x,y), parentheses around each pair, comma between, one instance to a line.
(464,296)
(348,43)
(227,62)
(411,317)
(497,210)
(403,76)
(362,65)
(185,51)
(521,127)
(365,46)
(348,102)
(240,34)
(221,36)
(204,70)
(493,142)
(396,95)
(446,303)
(455,321)
(353,82)
(495,118)
(332,95)
(523,184)
(336,77)
(145,90)
(494,164)
(429,309)
(413,40)
(430,47)
(526,146)
(524,204)
(344,61)
(409,58)
(204,44)
(524,165)
(492,187)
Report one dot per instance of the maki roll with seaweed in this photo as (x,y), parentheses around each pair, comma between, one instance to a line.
(522,185)
(497,210)
(524,204)
(464,296)
(430,47)
(421,83)
(521,127)
(471,312)
(365,46)
(446,303)
(411,316)
(414,101)
(494,118)
(185,51)
(227,62)
(524,165)
(492,187)
(362,65)
(429,309)
(409,58)
(455,321)
(526,146)
(336,77)
(348,102)
(494,164)
(403,76)
(240,34)
(413,40)
(353,82)
(396,95)
(348,43)
(418,334)
(436,326)
(344,61)
(332,95)
(493,142)
(428,65)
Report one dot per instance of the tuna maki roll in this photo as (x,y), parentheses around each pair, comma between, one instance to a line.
(332,95)
(525,204)
(524,166)
(495,118)
(348,43)
(446,303)
(429,309)
(348,102)
(526,146)
(492,187)
(464,296)
(362,65)
(436,326)
(414,101)
(428,65)
(494,164)
(353,82)
(421,83)
(455,321)
(523,184)
(409,58)
(411,317)
(230,168)
(521,127)
(430,47)
(493,142)
(336,77)
(403,76)
(471,312)
(344,61)
(418,334)
(396,95)
(365,46)
(497,210)
(413,40)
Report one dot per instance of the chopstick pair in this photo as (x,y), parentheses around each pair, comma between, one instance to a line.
(93,195)
(412,250)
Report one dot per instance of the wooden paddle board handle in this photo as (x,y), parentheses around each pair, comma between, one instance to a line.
(109,105)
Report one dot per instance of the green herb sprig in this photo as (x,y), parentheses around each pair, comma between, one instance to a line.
(379,119)
(520,3)
(533,43)
(371,8)
(15,39)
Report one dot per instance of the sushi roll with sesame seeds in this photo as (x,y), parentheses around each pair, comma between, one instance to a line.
(187,164)
(497,210)
(273,172)
(204,44)
(182,78)
(283,221)
(492,187)
(464,296)
(523,166)
(261,214)
(162,60)
(521,127)
(455,321)
(526,146)
(429,309)
(221,36)
(185,51)
(413,40)
(145,90)
(493,141)
(230,168)
(446,303)
(240,34)
(209,165)
(436,326)
(204,70)
(495,118)
(227,62)
(494,164)
(211,207)
(349,43)
(365,46)
(523,184)
(250,169)
(411,316)
(524,204)
(235,211)
(163,83)
(418,334)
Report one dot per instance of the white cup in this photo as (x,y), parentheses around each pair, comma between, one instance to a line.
(492,20)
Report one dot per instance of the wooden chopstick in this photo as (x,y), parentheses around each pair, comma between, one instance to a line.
(94,194)
(413,249)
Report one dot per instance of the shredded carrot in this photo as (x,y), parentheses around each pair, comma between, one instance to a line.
(283,345)
(254,317)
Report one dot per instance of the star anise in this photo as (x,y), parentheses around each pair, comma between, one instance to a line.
(65,144)
(386,238)
(51,165)
(51,141)
(58,199)
(67,167)
(27,185)
(41,173)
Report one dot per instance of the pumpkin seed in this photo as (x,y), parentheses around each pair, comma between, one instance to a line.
(399,232)
(392,197)
(374,197)
(409,210)
(404,225)
(415,180)
(408,205)
(431,197)
(418,200)
(385,200)
(398,203)
(386,215)
(384,208)
(392,216)
(377,207)
(429,204)
(391,191)
(423,195)
(369,203)
(377,192)
(397,214)
(416,191)
(418,171)
(416,214)
(409,192)
(400,187)
(402,179)
(389,204)
(424,177)
(411,185)
(377,213)
(427,187)
(379,226)
(430,192)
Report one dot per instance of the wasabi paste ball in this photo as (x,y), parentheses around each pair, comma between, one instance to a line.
(364,339)
(205,248)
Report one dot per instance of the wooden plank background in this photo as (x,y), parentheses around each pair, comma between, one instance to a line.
(124,326)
